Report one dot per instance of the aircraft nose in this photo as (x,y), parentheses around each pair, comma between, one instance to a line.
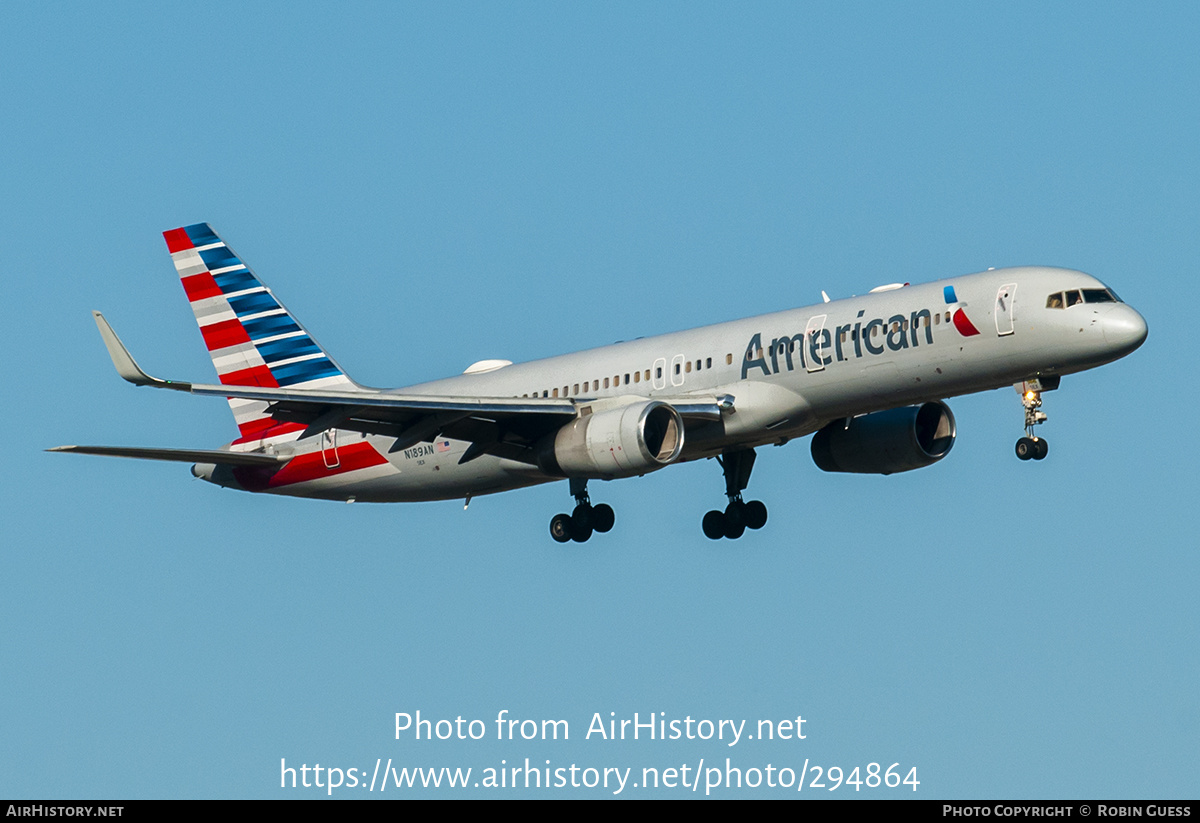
(1124,329)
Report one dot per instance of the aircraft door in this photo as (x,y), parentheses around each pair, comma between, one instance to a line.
(1005,298)
(329,451)
(814,344)
(660,373)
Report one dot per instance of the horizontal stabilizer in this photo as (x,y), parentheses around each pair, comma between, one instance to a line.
(227,458)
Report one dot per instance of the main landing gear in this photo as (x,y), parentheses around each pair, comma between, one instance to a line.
(585,519)
(738,515)
(1031,447)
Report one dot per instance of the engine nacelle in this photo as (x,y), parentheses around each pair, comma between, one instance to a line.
(628,440)
(885,442)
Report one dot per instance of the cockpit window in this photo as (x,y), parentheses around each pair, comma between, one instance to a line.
(1098,296)
(1063,300)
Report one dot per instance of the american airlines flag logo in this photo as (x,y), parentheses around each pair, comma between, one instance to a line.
(961,322)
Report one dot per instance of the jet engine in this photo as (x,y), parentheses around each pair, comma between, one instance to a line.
(628,440)
(884,442)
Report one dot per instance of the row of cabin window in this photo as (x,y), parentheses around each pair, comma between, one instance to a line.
(634,377)
(568,391)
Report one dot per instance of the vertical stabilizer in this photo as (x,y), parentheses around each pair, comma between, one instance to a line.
(252,339)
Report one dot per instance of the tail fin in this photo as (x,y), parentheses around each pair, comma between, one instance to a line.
(252,339)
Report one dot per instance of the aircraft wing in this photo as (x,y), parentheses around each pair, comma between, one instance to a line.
(504,426)
(222,456)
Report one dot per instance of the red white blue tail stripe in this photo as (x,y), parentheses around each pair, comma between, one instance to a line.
(252,339)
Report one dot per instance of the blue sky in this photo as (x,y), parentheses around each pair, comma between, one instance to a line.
(427,186)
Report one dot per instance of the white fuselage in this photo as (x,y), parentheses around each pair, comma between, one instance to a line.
(788,374)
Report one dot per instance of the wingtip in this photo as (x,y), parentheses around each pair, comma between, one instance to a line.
(122,360)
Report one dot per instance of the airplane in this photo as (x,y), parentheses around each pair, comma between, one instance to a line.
(866,376)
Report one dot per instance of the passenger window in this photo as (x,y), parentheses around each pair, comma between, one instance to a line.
(637,377)
(729,360)
(937,318)
(576,389)
(556,392)
(687,369)
(648,373)
(626,378)
(708,363)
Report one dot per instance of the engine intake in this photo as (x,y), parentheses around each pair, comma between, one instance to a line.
(896,440)
(629,440)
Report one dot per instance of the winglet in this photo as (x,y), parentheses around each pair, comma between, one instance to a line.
(126,366)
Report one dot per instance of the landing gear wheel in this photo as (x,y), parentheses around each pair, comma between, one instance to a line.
(581,524)
(1026,447)
(1032,447)
(735,519)
(739,515)
(603,518)
(714,525)
(560,527)
(756,514)
(581,520)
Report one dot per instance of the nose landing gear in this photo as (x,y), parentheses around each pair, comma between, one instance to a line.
(738,515)
(1031,447)
(584,519)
